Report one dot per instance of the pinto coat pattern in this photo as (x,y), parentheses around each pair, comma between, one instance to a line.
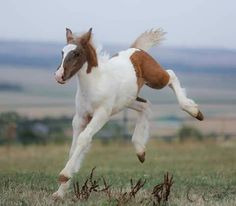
(106,86)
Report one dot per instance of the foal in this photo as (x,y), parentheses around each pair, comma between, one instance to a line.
(107,86)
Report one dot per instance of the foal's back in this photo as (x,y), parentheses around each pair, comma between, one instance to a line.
(147,70)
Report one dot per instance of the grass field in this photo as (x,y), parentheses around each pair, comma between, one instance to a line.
(28,175)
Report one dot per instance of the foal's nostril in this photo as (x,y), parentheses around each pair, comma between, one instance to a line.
(62,77)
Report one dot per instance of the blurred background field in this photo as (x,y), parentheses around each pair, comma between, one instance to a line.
(27,87)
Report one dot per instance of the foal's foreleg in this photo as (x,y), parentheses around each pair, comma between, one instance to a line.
(79,123)
(100,117)
(188,105)
(141,131)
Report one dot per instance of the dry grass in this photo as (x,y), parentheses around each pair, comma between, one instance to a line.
(157,196)
(204,173)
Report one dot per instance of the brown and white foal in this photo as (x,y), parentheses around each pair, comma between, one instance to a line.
(107,86)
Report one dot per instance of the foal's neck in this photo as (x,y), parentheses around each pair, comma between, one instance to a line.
(87,81)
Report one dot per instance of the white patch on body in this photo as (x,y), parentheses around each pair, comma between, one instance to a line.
(113,83)
(60,72)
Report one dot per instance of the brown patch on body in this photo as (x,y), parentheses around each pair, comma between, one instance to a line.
(148,71)
(86,120)
(63,179)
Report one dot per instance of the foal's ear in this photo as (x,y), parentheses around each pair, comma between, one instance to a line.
(90,51)
(86,37)
(69,36)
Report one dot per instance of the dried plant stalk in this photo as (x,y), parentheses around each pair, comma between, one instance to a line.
(159,194)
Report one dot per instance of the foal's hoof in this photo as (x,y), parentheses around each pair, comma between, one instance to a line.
(200,116)
(56,196)
(141,157)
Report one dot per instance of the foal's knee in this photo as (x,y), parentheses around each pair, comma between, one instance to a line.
(76,122)
(84,140)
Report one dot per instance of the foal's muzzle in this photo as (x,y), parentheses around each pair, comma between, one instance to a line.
(59,78)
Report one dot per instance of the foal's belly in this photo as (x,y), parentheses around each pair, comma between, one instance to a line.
(125,96)
(122,105)
(122,73)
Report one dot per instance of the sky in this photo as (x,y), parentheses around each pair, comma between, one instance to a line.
(188,23)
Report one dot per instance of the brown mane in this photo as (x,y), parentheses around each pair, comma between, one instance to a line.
(86,41)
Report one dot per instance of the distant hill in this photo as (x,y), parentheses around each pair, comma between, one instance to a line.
(32,54)
(48,56)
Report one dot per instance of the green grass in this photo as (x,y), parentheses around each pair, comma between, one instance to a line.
(28,175)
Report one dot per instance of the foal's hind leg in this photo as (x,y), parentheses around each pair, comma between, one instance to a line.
(188,105)
(141,132)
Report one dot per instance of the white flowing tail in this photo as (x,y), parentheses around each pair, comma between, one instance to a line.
(149,39)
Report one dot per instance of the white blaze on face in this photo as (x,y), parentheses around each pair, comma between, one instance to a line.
(60,72)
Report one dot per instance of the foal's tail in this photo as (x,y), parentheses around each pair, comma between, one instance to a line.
(148,39)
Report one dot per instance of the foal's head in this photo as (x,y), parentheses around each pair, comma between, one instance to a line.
(78,52)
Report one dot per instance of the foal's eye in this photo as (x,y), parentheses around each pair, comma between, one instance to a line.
(76,53)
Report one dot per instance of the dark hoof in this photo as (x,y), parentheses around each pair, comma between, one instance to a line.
(63,179)
(200,116)
(141,157)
